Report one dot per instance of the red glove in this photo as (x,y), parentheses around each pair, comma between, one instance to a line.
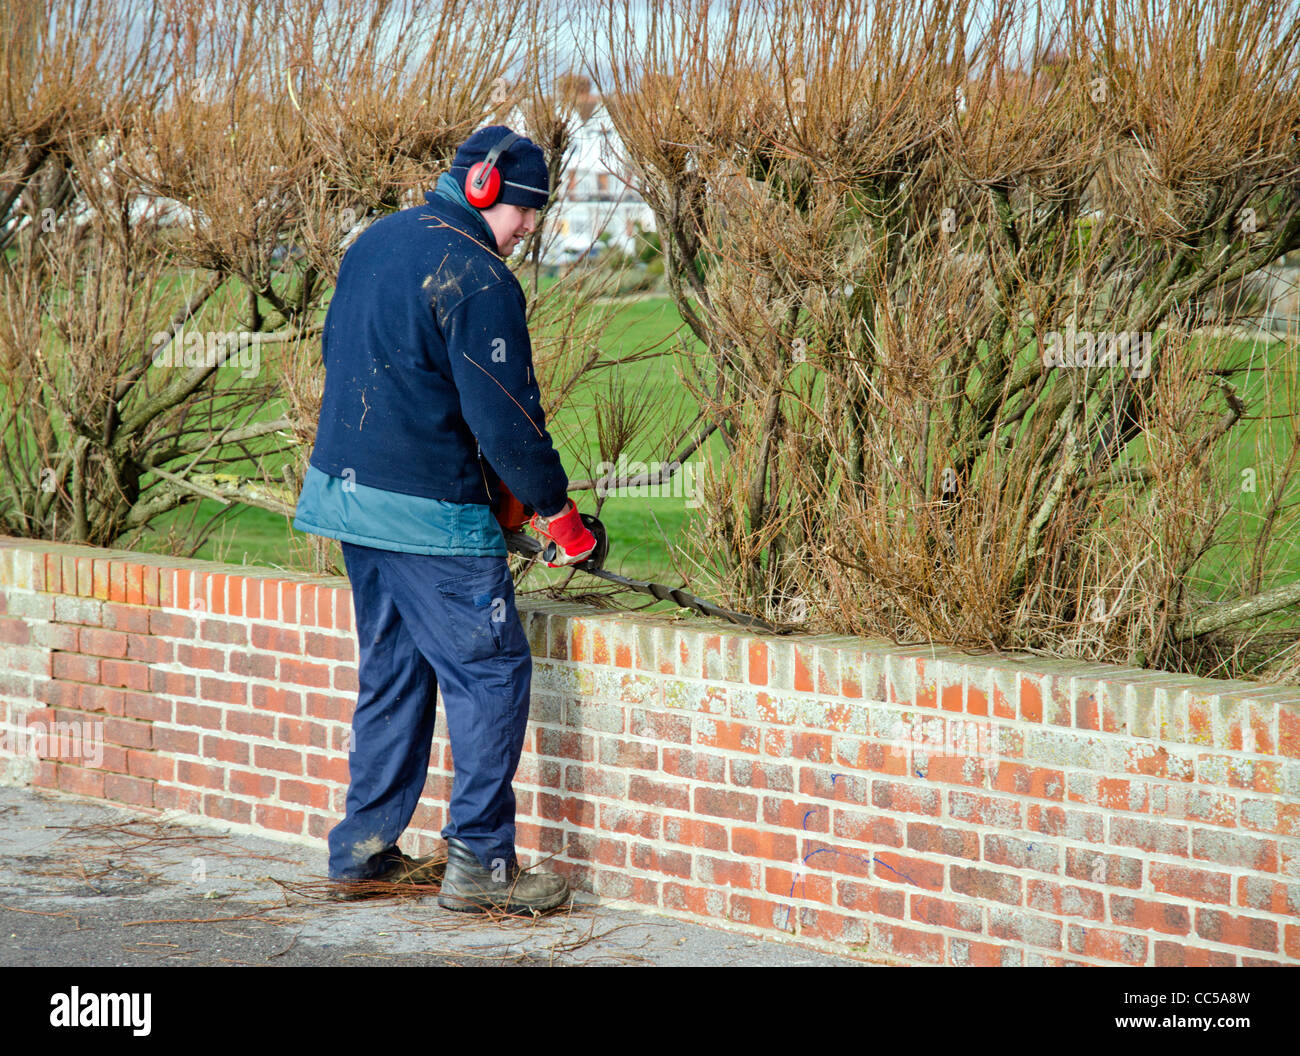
(573,542)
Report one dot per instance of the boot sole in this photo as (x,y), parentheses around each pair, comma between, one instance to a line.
(457,904)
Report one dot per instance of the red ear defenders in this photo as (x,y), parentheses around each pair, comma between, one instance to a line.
(483,181)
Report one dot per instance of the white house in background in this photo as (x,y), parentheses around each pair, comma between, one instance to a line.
(594,198)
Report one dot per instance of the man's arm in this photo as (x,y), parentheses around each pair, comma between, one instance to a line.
(492,363)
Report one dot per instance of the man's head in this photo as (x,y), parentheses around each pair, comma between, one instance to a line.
(505,176)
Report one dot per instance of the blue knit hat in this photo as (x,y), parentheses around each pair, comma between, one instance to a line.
(525,181)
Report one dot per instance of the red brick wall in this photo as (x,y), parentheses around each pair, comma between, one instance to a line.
(914,804)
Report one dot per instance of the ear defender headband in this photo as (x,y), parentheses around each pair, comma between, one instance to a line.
(483,182)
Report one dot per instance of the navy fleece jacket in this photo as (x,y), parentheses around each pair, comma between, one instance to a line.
(428,361)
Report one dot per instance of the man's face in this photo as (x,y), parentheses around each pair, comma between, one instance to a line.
(511,224)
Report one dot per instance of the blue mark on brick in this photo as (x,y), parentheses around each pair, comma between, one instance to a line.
(832,850)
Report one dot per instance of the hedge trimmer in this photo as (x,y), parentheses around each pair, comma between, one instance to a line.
(522,543)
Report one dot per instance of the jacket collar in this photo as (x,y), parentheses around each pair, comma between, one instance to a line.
(447,194)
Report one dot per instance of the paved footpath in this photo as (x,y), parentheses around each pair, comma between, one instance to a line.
(86,883)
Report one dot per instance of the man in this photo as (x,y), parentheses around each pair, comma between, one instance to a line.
(431,413)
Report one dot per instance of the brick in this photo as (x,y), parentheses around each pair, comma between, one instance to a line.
(104,699)
(938,839)
(197,716)
(222,691)
(304,673)
(80,781)
(1197,885)
(595,780)
(250,724)
(94,641)
(1253,932)
(1166,917)
(1029,928)
(754,773)
(1156,837)
(566,744)
(697,766)
(1112,793)
(868,828)
(1065,900)
(73,667)
(580,812)
(1107,945)
(986,884)
(125,673)
(1112,870)
(940,913)
(282,760)
(200,775)
(277,639)
(754,843)
(303,734)
(1021,780)
(150,765)
(223,631)
(248,783)
(172,625)
(1039,855)
(1236,772)
(14,631)
(227,809)
(53,636)
(652,859)
(137,791)
(130,619)
(659,726)
(801,885)
(279,819)
(330,768)
(901,869)
(740,806)
(198,658)
(172,683)
(179,742)
(1268,895)
(984,810)
(631,822)
(226,750)
(128,733)
(906,943)
(728,872)
(728,736)
(694,832)
(962,953)
(1177,955)
(906,799)
(783,813)
(877,899)
(280,701)
(1237,849)
(149,650)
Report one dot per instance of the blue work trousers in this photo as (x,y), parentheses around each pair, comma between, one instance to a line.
(423,622)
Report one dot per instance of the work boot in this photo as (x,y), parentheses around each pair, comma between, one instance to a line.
(402,869)
(469,887)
